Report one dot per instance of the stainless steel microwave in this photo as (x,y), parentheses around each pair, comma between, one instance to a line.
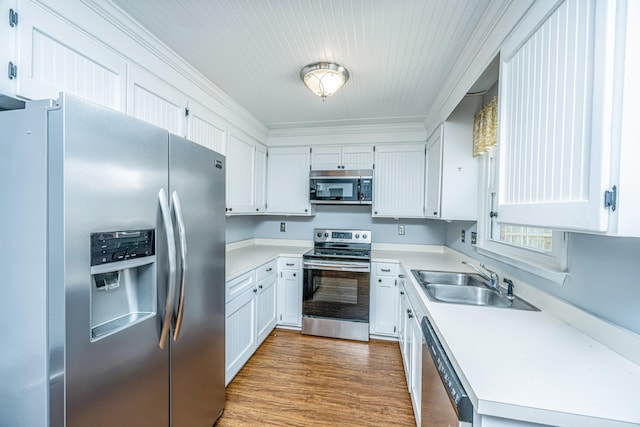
(353,187)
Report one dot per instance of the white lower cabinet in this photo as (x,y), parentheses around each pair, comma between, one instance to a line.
(250,315)
(289,292)
(410,339)
(384,299)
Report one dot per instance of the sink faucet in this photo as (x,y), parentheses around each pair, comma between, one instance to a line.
(492,278)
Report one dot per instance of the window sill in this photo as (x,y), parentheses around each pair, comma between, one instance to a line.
(544,271)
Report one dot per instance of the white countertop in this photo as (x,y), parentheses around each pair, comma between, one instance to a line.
(247,256)
(527,365)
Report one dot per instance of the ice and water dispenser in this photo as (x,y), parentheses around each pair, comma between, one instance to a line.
(123,286)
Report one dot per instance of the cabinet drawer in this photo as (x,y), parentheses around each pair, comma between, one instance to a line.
(289,263)
(386,269)
(268,269)
(238,285)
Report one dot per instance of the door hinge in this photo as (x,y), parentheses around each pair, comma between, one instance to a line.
(281,317)
(611,198)
(12,71)
(13,18)
(186,112)
(394,329)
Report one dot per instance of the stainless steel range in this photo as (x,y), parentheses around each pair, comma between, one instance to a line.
(335,300)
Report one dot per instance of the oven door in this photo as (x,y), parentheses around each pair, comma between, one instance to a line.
(336,290)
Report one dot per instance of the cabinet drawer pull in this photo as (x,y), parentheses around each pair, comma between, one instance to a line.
(289,264)
(386,270)
(401,276)
(269,269)
(260,286)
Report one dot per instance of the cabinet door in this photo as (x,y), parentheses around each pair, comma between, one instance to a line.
(266,307)
(384,310)
(261,178)
(290,298)
(556,85)
(240,173)
(326,157)
(434,175)
(56,57)
(399,181)
(404,333)
(206,127)
(288,181)
(357,157)
(156,101)
(240,332)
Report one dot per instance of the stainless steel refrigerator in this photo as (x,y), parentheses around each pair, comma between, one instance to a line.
(112,265)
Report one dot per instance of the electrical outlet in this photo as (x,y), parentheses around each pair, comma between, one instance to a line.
(401,230)
(474,238)
(462,233)
(283,227)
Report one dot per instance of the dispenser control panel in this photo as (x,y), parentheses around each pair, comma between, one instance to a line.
(114,246)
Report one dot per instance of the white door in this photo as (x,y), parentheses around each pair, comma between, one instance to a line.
(240,332)
(399,181)
(156,101)
(206,127)
(326,157)
(288,180)
(555,114)
(357,157)
(289,298)
(266,307)
(385,305)
(54,57)
(240,173)
(261,178)
(434,175)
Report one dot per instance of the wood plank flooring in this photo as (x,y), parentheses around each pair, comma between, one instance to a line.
(301,380)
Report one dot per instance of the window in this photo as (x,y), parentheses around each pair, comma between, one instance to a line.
(538,250)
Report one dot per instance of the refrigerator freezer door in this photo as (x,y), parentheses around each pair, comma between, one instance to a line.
(197,356)
(106,174)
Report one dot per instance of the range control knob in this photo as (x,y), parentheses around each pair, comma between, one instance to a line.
(326,234)
(357,236)
(319,234)
(364,236)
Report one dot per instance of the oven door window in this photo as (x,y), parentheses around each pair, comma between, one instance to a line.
(334,189)
(339,295)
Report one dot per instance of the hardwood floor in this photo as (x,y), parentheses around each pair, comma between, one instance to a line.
(300,380)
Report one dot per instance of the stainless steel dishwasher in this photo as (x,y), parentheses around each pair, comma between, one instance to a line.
(444,400)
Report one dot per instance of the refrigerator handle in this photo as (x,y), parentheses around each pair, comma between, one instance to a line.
(182,236)
(171,254)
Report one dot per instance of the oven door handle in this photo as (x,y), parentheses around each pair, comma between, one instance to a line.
(334,266)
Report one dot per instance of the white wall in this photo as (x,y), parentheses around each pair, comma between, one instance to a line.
(417,231)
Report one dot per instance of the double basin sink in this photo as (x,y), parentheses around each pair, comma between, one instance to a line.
(465,288)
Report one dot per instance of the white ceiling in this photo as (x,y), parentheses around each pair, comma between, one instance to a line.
(398,52)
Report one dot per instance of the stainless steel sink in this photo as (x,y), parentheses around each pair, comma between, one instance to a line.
(463,288)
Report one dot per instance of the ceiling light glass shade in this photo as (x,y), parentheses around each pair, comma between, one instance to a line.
(324,78)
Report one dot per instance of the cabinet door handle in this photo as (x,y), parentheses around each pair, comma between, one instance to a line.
(269,269)
(401,276)
(260,286)
(379,280)
(255,290)
(401,292)
(294,274)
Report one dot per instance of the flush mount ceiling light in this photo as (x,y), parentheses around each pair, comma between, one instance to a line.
(324,78)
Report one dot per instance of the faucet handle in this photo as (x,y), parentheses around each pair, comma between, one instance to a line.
(509,288)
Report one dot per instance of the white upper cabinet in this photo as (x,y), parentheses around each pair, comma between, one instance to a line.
(398,186)
(288,181)
(206,127)
(156,101)
(54,57)
(555,116)
(332,157)
(241,173)
(452,171)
